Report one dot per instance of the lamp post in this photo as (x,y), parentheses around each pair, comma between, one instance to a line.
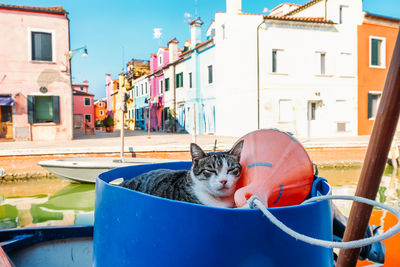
(71,53)
(69,56)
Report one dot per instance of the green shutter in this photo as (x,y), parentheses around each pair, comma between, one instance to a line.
(181,80)
(31,109)
(369,106)
(374,52)
(167,84)
(56,109)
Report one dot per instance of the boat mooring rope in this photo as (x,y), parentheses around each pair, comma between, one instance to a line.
(254,202)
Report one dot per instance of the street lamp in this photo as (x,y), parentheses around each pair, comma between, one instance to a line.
(74,51)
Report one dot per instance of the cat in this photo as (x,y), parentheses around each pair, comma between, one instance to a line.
(210,181)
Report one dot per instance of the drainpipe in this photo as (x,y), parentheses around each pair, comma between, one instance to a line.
(258,73)
(70,79)
(174,88)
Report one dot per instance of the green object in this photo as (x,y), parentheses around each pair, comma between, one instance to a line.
(41,215)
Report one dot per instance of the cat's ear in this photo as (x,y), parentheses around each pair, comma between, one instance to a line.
(237,149)
(196,152)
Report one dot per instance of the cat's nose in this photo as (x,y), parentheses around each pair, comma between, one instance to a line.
(223,182)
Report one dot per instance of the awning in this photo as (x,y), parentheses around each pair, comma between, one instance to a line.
(6,101)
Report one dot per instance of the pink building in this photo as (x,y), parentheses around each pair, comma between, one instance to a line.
(83,105)
(157,85)
(35,82)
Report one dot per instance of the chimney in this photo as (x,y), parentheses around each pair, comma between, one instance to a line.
(195,32)
(173,50)
(233,7)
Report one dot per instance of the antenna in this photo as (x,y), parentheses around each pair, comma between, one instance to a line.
(123,58)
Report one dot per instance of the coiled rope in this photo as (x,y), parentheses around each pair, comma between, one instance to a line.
(254,202)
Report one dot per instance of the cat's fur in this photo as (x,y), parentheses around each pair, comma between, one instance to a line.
(210,181)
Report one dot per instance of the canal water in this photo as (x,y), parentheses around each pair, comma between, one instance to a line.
(43,202)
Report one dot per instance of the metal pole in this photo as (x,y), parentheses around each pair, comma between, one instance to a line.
(148,124)
(122,132)
(375,160)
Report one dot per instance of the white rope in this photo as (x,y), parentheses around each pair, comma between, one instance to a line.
(254,201)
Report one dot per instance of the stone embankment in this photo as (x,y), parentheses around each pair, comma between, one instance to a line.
(19,159)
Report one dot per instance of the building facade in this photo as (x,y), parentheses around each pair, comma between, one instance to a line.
(100,110)
(296,70)
(84,111)
(376,40)
(35,81)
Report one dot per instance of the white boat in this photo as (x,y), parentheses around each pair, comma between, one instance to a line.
(86,170)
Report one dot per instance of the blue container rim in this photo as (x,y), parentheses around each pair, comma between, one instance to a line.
(105,178)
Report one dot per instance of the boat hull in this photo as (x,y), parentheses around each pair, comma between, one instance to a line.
(49,246)
(86,170)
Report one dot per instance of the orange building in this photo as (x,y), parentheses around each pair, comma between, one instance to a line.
(376,39)
(100,110)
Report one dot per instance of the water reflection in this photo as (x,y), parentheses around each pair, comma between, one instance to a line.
(344,182)
(45,202)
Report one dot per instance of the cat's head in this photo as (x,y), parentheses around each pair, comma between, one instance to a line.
(217,171)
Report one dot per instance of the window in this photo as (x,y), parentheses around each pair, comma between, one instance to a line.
(167,85)
(210,74)
(223,31)
(146,87)
(312,110)
(179,80)
(190,80)
(101,112)
(377,52)
(373,103)
(41,46)
(81,88)
(285,110)
(342,14)
(346,65)
(100,104)
(87,101)
(88,118)
(137,91)
(277,59)
(42,109)
(141,89)
(323,63)
(160,60)
(161,89)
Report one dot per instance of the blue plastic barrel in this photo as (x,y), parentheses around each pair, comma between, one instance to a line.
(136,229)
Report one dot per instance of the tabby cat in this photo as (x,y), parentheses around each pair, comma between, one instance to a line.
(210,181)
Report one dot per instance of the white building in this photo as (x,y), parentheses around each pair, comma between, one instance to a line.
(300,78)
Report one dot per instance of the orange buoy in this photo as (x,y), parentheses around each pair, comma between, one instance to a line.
(275,168)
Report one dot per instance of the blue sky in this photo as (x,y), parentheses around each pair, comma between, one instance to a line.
(117,31)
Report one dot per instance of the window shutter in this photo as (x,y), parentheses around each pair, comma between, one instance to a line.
(374,52)
(56,109)
(369,105)
(31,109)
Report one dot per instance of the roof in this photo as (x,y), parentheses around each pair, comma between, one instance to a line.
(198,46)
(290,4)
(300,19)
(376,16)
(300,8)
(81,93)
(54,9)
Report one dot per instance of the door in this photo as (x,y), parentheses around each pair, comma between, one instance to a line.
(315,127)
(6,124)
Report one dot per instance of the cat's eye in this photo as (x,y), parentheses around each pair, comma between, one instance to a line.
(234,171)
(209,172)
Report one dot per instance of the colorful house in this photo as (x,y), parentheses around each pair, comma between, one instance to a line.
(33,55)
(141,94)
(83,105)
(100,110)
(137,104)
(376,40)
(157,87)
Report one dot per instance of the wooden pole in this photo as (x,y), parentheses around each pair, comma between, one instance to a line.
(375,160)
